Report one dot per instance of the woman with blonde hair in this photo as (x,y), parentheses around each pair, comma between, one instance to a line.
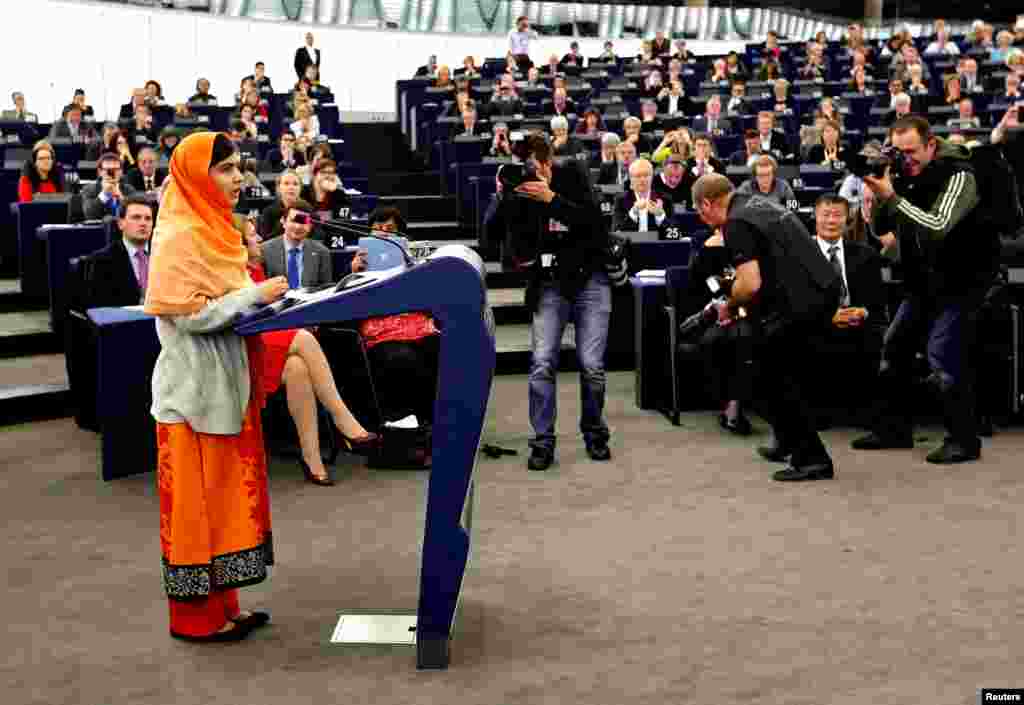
(215,533)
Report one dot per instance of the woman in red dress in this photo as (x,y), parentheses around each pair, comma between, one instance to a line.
(40,174)
(294,358)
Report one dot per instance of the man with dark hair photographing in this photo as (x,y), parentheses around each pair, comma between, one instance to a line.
(781,279)
(552,226)
(928,197)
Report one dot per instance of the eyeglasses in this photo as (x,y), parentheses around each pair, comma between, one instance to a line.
(302,219)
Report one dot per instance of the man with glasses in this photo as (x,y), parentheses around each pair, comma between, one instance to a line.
(145,177)
(326,192)
(104,196)
(305,262)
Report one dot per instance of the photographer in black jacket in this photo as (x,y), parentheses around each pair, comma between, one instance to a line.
(783,281)
(551,225)
(929,198)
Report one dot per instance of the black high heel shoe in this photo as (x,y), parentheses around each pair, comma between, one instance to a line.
(364,445)
(310,477)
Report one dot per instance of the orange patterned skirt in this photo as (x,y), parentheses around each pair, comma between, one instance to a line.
(214,509)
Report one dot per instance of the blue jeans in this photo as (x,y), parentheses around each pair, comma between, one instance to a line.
(947,326)
(590,313)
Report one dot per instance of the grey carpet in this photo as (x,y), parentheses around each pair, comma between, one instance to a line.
(677,573)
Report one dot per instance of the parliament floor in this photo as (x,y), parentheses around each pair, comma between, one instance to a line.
(676,573)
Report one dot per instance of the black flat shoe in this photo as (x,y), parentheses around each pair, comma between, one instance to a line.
(255,620)
(815,471)
(540,459)
(238,632)
(310,477)
(739,425)
(598,450)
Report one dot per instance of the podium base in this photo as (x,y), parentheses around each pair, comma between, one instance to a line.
(385,629)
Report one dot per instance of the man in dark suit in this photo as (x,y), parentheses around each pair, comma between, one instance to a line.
(672,185)
(738,105)
(846,356)
(751,148)
(771,141)
(305,262)
(260,78)
(505,102)
(306,56)
(712,122)
(146,177)
(104,197)
(119,272)
(641,208)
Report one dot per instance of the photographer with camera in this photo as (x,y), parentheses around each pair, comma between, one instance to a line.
(784,282)
(551,224)
(104,196)
(925,191)
(501,146)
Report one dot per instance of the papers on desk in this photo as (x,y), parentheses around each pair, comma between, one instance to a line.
(651,274)
(409,421)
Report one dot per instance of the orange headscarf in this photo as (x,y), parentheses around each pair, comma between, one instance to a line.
(197,254)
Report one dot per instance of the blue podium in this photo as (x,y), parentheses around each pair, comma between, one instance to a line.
(450,286)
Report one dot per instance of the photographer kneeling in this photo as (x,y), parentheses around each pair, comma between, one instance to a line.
(552,225)
(928,196)
(727,351)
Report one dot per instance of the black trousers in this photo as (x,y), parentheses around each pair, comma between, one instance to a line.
(845,369)
(787,375)
(405,378)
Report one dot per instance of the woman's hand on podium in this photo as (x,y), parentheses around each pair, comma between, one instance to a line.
(273,289)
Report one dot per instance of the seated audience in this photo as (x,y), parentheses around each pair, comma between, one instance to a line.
(461,102)
(289,186)
(315,88)
(560,104)
(901,106)
(1004,43)
(260,78)
(305,262)
(827,109)
(639,208)
(917,87)
(247,116)
(965,117)
(660,45)
(652,88)
(154,94)
(505,101)
(648,116)
(772,141)
(704,160)
(671,185)
(765,182)
(591,123)
(751,149)
(79,101)
(784,102)
(145,178)
(970,81)
(169,138)
(120,271)
(202,95)
(128,109)
(631,127)
(403,348)
(675,101)
(20,112)
(718,73)
(124,149)
(770,70)
(72,127)
(469,69)
(942,46)
(617,172)
(609,142)
(727,352)
(326,193)
(846,357)
(735,68)
(860,83)
(501,144)
(444,77)
(682,54)
(574,59)
(888,100)
(286,155)
(104,197)
(295,360)
(831,152)
(306,124)
(678,142)
(142,127)
(608,52)
(712,122)
(738,106)
(41,173)
(953,92)
(1011,94)
(562,143)
(106,143)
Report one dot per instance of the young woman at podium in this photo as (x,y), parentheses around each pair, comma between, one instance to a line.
(211,468)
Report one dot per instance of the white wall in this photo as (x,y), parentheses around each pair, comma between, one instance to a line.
(50,48)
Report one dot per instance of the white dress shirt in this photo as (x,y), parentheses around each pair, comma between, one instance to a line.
(673,104)
(641,217)
(519,42)
(312,54)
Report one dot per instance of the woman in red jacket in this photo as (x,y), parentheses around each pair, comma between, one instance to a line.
(40,174)
(294,358)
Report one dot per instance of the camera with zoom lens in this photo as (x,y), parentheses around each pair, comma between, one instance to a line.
(512,176)
(721,287)
(874,162)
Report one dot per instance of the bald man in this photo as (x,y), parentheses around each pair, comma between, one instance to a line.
(640,209)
